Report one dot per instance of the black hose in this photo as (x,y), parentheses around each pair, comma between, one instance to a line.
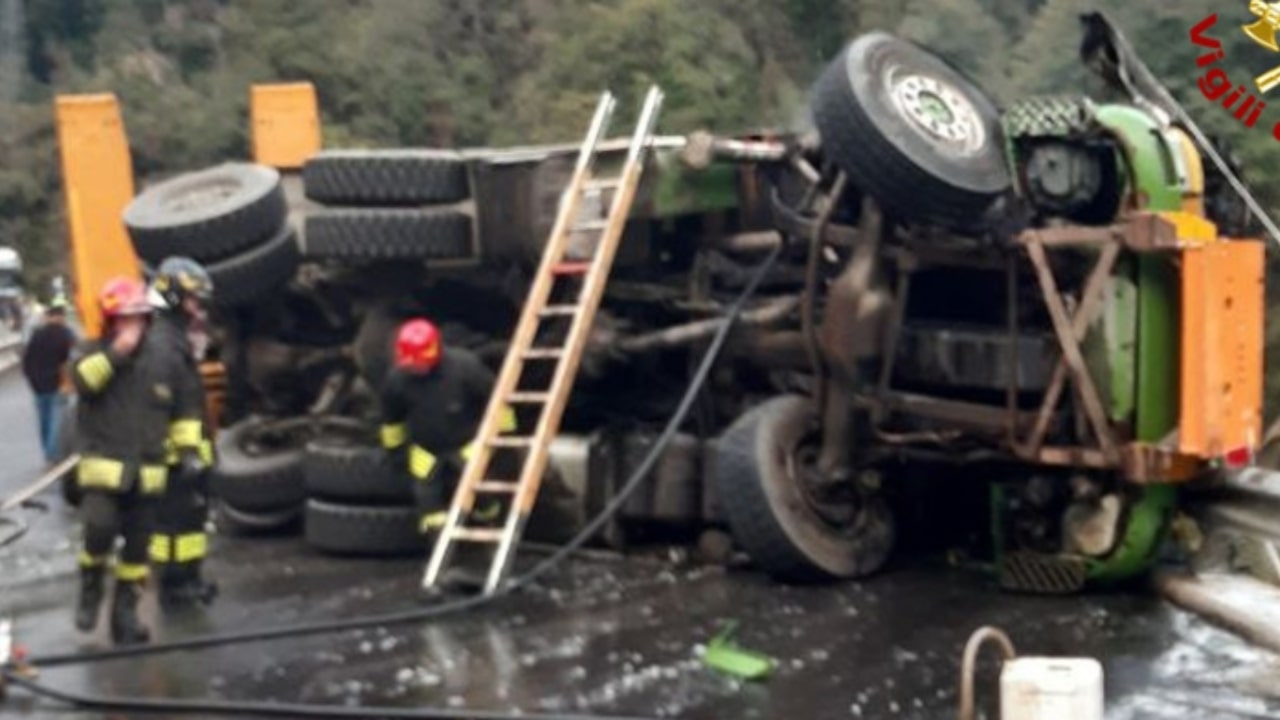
(273,709)
(454,606)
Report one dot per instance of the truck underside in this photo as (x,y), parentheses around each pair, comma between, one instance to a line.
(976,325)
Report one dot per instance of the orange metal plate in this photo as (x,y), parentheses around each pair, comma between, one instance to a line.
(97,179)
(1222,339)
(286,124)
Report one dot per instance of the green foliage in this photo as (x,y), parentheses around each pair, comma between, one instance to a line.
(464,72)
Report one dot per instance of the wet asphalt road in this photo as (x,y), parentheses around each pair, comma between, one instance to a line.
(611,637)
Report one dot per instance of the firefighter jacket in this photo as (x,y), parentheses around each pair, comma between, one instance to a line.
(128,410)
(187,431)
(437,413)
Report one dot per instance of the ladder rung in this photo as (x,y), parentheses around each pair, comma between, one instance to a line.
(542,353)
(483,535)
(558,310)
(511,441)
(529,398)
(602,183)
(571,268)
(497,486)
(592,225)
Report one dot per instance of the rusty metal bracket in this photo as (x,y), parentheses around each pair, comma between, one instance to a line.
(1070,330)
(1139,232)
(1147,463)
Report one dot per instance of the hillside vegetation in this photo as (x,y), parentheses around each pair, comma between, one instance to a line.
(466,72)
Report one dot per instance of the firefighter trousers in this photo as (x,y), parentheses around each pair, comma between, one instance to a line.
(178,542)
(434,492)
(107,515)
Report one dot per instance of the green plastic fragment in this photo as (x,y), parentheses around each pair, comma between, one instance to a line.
(724,655)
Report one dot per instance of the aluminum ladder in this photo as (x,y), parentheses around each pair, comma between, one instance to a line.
(582,278)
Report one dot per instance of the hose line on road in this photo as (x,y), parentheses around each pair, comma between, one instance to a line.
(455,606)
(108,703)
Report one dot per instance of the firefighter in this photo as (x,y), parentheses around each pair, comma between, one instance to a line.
(127,389)
(433,400)
(181,292)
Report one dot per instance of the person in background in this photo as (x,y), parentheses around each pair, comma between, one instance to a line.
(44,364)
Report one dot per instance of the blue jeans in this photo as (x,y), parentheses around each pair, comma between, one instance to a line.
(50,407)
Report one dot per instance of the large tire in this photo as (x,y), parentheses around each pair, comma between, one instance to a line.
(207,215)
(257,472)
(769,514)
(347,471)
(363,530)
(246,278)
(911,131)
(259,467)
(385,177)
(391,234)
(243,523)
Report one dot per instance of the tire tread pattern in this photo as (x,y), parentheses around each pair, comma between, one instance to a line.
(388,234)
(363,530)
(353,474)
(246,278)
(385,177)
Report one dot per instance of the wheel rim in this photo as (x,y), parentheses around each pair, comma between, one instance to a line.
(939,110)
(836,506)
(203,195)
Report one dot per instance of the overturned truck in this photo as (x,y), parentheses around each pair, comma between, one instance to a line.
(1051,312)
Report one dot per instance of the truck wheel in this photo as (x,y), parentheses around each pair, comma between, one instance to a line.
(911,131)
(388,234)
(773,509)
(259,467)
(246,278)
(363,530)
(385,177)
(207,215)
(236,522)
(343,470)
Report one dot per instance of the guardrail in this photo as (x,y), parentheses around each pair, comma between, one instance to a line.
(10,351)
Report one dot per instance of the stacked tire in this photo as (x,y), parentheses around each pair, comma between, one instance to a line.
(359,503)
(258,480)
(388,205)
(232,218)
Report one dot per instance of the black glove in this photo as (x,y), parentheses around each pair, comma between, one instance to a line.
(192,473)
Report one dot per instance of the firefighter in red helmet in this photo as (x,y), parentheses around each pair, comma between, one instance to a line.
(129,391)
(432,403)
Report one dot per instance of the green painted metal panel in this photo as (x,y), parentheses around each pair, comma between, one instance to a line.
(1149,518)
(680,190)
(1120,328)
(1155,181)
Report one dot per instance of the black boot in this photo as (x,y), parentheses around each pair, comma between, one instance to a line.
(91,587)
(183,585)
(126,629)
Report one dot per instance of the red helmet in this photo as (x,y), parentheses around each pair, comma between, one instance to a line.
(123,296)
(418,346)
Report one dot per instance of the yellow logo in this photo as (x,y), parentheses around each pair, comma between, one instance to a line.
(1263,32)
